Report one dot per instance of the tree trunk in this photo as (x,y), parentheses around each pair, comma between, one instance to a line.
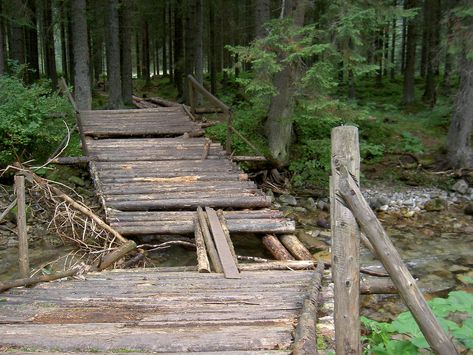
(178,49)
(145,47)
(17,43)
(2,45)
(262,15)
(278,126)
(82,93)
(432,22)
(212,49)
(70,49)
(393,46)
(32,54)
(164,42)
(448,57)
(50,53)
(64,55)
(190,41)
(409,73)
(199,45)
(113,57)
(126,26)
(460,152)
(403,45)
(425,39)
(170,48)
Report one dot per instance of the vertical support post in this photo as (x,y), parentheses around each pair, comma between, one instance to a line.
(191,95)
(228,141)
(23,257)
(345,245)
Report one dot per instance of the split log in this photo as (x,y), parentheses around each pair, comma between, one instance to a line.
(305,338)
(278,265)
(376,285)
(77,206)
(228,261)
(295,247)
(209,243)
(162,102)
(275,247)
(23,256)
(439,341)
(202,259)
(226,232)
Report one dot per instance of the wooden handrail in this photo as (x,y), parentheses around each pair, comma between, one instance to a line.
(193,86)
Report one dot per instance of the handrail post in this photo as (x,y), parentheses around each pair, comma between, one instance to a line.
(23,256)
(345,245)
(228,141)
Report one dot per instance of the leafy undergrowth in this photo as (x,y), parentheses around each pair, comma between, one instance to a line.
(403,335)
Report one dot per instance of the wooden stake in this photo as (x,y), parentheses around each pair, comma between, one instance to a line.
(209,243)
(345,245)
(295,247)
(275,247)
(23,257)
(202,259)
(439,341)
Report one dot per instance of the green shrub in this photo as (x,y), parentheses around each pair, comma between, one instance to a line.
(31,120)
(383,337)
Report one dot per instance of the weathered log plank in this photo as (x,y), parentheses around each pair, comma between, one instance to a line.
(229,266)
(275,247)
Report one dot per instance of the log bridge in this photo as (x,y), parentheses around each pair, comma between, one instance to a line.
(156,175)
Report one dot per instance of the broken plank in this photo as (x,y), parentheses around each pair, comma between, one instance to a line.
(229,266)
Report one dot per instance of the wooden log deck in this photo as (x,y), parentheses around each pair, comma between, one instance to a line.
(152,169)
(157,310)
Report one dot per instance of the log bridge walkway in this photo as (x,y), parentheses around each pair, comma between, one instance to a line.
(153,171)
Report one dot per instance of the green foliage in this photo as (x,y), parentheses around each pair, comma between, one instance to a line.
(30,119)
(382,337)
(410,143)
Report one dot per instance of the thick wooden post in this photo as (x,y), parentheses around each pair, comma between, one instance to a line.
(400,275)
(23,257)
(191,95)
(345,245)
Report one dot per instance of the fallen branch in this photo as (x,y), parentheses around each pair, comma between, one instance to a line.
(8,209)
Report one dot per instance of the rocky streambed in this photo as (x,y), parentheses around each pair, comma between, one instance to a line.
(431,228)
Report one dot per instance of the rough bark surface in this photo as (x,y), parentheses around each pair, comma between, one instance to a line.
(460,152)
(262,16)
(82,92)
(278,125)
(113,57)
(409,72)
(125,55)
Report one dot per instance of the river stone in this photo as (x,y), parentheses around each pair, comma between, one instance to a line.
(469,209)
(288,200)
(311,205)
(76,181)
(461,186)
(456,269)
(435,205)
